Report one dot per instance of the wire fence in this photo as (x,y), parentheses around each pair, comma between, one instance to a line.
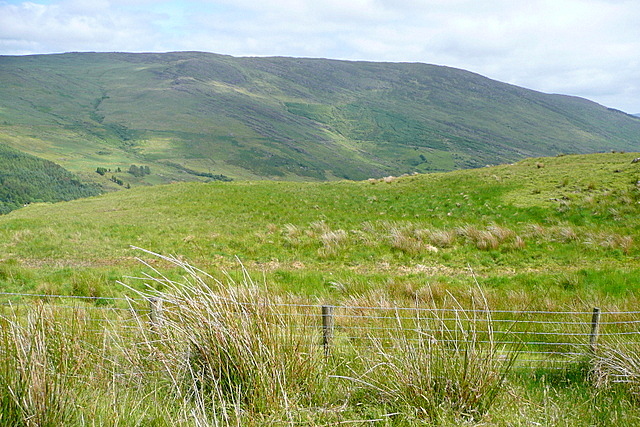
(539,338)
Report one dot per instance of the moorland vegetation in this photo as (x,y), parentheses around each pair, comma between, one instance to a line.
(554,234)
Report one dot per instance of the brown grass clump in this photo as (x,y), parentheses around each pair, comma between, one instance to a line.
(567,234)
(292,234)
(402,240)
(491,238)
(502,234)
(408,240)
(331,242)
(611,241)
(617,363)
(439,238)
(482,239)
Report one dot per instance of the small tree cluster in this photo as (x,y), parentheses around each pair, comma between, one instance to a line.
(117,180)
(102,171)
(139,171)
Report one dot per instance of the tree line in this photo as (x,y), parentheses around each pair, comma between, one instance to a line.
(28,179)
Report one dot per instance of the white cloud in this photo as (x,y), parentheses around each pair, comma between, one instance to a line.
(579,47)
(71,26)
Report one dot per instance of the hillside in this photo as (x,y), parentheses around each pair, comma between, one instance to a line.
(199,116)
(502,264)
(26,179)
(561,225)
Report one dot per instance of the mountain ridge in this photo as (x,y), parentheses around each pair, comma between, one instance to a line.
(284,118)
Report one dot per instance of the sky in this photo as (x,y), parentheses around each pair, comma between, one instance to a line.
(586,48)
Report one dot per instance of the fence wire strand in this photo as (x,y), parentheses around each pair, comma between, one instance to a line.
(539,336)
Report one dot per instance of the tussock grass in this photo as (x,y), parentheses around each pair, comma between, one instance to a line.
(453,371)
(237,352)
(528,254)
(231,345)
(618,364)
(408,240)
(38,364)
(490,238)
(438,238)
(332,240)
(229,351)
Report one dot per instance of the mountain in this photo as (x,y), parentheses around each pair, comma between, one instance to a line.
(200,116)
(26,179)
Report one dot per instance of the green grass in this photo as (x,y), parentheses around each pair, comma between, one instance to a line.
(417,229)
(558,233)
(234,352)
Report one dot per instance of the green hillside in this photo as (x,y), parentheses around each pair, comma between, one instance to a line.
(197,116)
(26,179)
(558,235)
(563,226)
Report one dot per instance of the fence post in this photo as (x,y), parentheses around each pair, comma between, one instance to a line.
(155,313)
(327,328)
(595,329)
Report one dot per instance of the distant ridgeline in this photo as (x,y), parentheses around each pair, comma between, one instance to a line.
(28,179)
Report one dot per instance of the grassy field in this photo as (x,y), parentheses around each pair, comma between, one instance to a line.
(560,225)
(557,233)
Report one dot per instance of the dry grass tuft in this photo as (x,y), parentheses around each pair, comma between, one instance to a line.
(618,363)
(331,242)
(447,369)
(225,345)
(37,370)
(438,238)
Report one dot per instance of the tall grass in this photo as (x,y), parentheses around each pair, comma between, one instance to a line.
(228,351)
(231,345)
(435,368)
(237,353)
(618,364)
(60,367)
(39,363)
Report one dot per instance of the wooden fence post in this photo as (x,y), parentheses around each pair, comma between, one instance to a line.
(327,328)
(155,313)
(595,329)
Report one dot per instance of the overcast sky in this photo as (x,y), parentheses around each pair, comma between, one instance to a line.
(588,48)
